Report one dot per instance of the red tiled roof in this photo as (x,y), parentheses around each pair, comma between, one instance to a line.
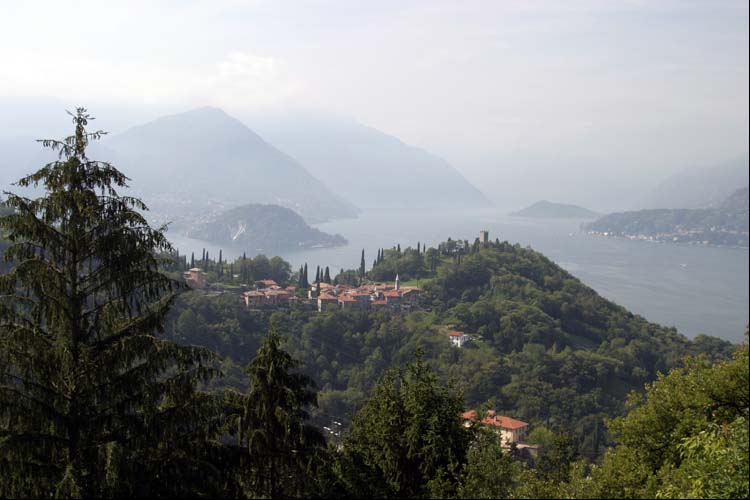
(268,282)
(379,302)
(346,298)
(392,293)
(496,420)
(456,333)
(326,297)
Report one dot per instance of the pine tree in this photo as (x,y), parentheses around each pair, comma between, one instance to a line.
(90,398)
(280,445)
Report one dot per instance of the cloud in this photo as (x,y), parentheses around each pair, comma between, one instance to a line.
(239,80)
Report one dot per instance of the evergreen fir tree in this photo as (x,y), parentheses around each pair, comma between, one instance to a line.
(92,403)
(280,446)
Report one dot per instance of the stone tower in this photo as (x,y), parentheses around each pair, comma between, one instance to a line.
(484,237)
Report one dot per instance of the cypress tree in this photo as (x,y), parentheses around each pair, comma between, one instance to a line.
(192,260)
(327,276)
(92,403)
(362,266)
(304,277)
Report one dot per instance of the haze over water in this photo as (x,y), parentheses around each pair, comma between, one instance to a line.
(693,288)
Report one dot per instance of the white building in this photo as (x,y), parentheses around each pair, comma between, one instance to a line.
(457,338)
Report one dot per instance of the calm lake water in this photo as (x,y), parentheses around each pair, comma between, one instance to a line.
(696,289)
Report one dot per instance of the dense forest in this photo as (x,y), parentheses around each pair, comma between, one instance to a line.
(117,380)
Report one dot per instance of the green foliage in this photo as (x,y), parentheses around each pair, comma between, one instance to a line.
(281,447)
(406,435)
(687,437)
(490,472)
(90,398)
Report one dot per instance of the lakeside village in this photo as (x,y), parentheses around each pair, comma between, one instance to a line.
(323,296)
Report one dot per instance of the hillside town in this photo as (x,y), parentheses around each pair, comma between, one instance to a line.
(321,296)
(329,296)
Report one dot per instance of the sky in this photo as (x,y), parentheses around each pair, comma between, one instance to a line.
(512,92)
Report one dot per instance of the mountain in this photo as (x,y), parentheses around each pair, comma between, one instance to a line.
(739,201)
(207,158)
(726,224)
(369,167)
(703,187)
(263,229)
(549,210)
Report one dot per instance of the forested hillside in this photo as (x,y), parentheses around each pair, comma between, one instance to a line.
(548,349)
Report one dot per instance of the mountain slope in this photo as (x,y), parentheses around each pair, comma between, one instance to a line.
(369,167)
(703,187)
(207,156)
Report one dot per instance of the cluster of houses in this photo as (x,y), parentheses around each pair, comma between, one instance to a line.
(268,293)
(369,296)
(329,297)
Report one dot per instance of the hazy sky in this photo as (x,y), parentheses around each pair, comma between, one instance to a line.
(585,88)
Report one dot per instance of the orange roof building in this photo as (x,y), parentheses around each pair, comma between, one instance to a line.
(510,429)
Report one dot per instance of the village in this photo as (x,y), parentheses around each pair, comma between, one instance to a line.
(267,294)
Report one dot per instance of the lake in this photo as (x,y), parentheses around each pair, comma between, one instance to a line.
(696,289)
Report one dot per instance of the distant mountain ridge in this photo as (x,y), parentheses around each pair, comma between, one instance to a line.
(262,229)
(703,187)
(549,210)
(205,155)
(371,168)
(727,224)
